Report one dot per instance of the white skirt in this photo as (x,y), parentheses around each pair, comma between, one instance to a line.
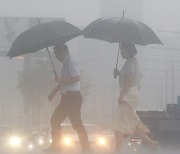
(125,119)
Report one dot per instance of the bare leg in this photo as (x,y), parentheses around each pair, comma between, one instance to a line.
(119,142)
(146,138)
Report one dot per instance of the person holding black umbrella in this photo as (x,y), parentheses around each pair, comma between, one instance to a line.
(126,122)
(71,101)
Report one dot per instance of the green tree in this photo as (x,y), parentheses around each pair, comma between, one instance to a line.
(35,84)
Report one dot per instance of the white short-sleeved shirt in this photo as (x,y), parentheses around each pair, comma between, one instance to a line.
(131,66)
(70,69)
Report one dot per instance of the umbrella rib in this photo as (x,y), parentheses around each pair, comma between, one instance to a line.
(136,25)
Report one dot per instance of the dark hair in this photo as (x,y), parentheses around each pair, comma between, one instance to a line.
(131,49)
(61,47)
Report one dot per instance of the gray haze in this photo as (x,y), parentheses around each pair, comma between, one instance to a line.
(97,58)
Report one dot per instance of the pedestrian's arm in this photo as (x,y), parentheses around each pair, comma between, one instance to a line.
(56,89)
(53,93)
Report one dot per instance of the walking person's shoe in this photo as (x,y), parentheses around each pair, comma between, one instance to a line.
(53,150)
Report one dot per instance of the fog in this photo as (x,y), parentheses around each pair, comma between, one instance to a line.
(159,64)
(80,13)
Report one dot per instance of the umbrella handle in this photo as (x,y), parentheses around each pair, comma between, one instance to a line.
(115,75)
(38,20)
(47,49)
(117,61)
(123,15)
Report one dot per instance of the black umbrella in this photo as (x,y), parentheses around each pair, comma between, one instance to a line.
(43,36)
(121,30)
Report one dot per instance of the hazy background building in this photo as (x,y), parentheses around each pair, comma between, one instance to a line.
(159,64)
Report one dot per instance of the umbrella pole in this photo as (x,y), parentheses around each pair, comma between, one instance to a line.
(117,60)
(123,15)
(47,49)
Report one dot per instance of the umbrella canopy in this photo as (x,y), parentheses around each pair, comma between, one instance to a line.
(42,36)
(121,30)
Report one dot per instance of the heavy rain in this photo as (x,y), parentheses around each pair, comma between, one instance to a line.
(89,76)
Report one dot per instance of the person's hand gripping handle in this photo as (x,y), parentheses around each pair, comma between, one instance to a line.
(116,72)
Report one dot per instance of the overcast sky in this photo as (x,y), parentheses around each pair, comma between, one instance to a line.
(78,12)
(163,13)
(82,12)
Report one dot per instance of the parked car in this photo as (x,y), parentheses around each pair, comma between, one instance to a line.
(30,142)
(133,145)
(9,140)
(70,138)
(44,137)
(15,141)
(95,135)
(99,140)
